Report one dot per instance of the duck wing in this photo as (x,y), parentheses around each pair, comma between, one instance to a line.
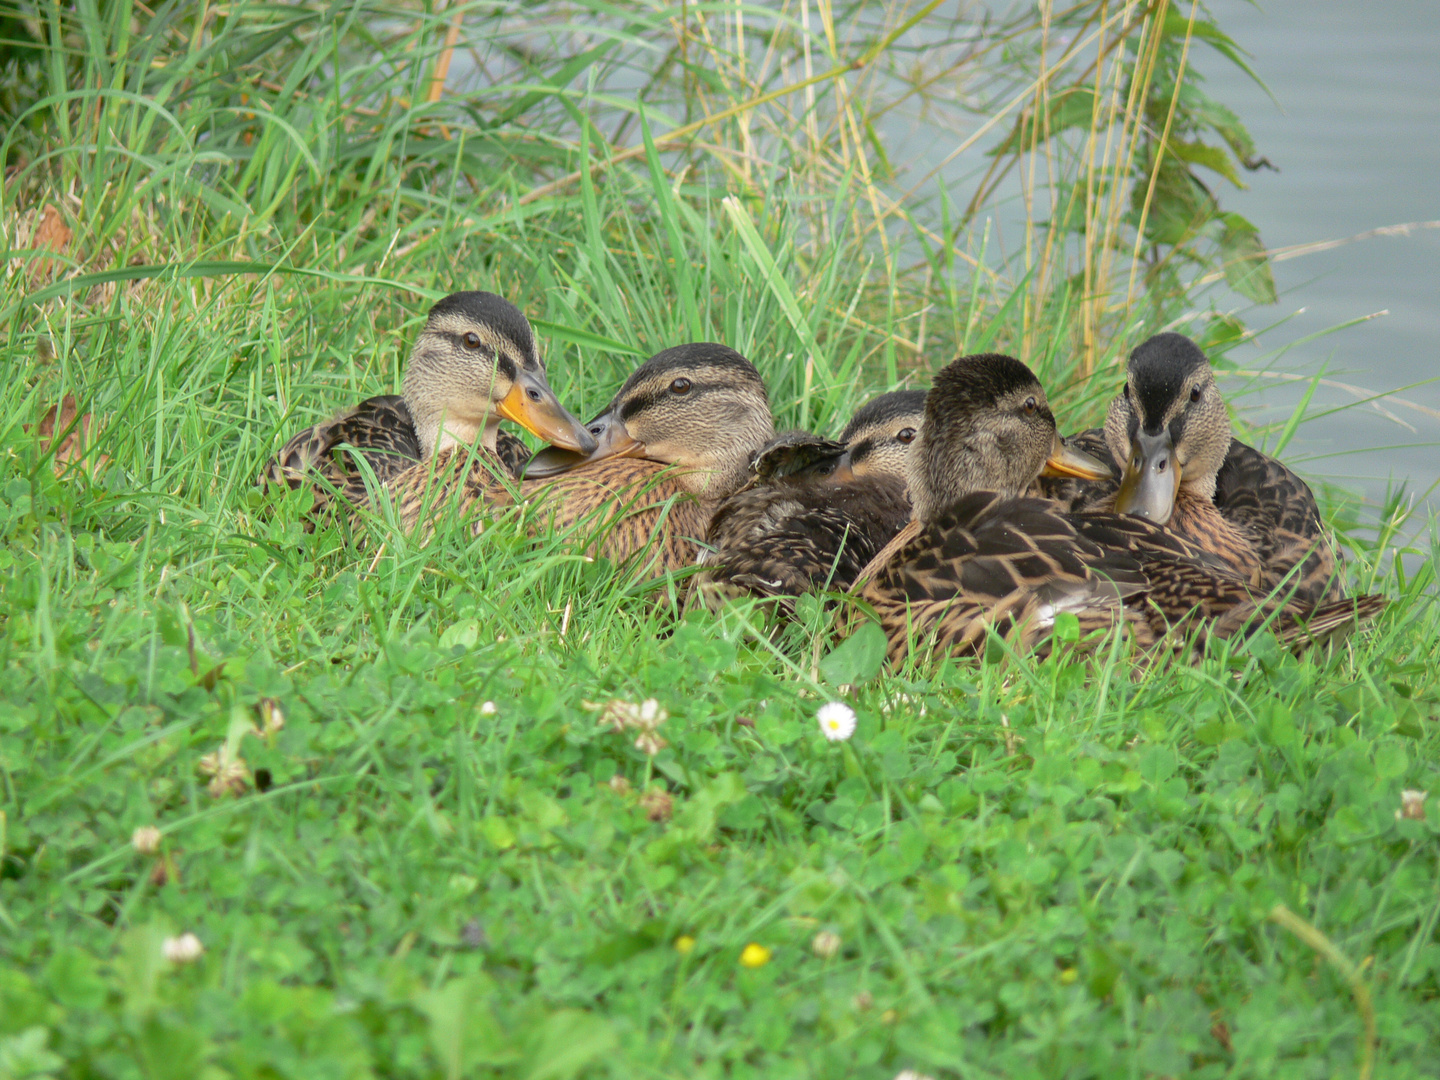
(800,534)
(997,563)
(1278,511)
(791,453)
(379,429)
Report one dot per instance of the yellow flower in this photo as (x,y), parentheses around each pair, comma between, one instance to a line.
(684,944)
(1068,976)
(754,956)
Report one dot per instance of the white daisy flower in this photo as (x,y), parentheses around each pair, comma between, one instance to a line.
(837,721)
(184,949)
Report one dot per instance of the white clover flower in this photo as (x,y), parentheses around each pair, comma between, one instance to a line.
(272,717)
(910,1074)
(488,708)
(184,949)
(146,839)
(651,715)
(837,721)
(826,944)
(1412,805)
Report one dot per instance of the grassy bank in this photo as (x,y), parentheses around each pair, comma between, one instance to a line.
(441,862)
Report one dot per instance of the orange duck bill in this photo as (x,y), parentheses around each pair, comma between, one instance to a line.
(533,405)
(1065,460)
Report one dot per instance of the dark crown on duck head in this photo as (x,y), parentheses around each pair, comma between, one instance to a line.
(493,312)
(707,365)
(895,405)
(1158,369)
(968,387)
(987,428)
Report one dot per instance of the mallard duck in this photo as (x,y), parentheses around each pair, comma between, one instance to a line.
(673,443)
(984,556)
(815,511)
(475,362)
(1183,468)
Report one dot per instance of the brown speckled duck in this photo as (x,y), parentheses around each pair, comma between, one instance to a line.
(985,556)
(675,441)
(475,362)
(815,511)
(1184,469)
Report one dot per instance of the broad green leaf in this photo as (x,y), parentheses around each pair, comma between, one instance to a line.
(565,1043)
(1212,157)
(463,1030)
(857,659)
(1247,267)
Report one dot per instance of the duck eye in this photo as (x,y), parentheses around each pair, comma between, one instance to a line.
(1030,405)
(680,386)
(471,340)
(907,435)
(1194,393)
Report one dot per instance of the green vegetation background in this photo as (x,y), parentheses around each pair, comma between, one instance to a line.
(1055,869)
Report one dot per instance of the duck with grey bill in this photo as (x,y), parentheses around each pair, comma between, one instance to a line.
(1168,423)
(1151,479)
(609,438)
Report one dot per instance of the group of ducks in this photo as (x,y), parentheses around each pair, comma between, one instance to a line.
(953,513)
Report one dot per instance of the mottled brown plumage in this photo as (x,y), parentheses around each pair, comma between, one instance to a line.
(815,512)
(475,361)
(1234,501)
(979,560)
(675,441)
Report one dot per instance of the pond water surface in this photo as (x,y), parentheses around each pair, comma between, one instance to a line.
(1354,128)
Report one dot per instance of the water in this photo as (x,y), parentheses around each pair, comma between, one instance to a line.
(1354,129)
(1356,136)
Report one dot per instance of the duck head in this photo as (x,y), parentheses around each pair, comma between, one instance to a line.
(1168,425)
(475,362)
(987,427)
(701,407)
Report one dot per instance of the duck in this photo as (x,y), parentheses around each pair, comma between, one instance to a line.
(1183,468)
(475,362)
(815,511)
(674,442)
(985,554)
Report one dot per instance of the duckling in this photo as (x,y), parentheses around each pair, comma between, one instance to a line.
(815,511)
(675,441)
(475,362)
(985,556)
(1184,469)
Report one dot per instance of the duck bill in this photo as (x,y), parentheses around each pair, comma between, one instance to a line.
(1066,460)
(1151,480)
(610,440)
(843,471)
(533,405)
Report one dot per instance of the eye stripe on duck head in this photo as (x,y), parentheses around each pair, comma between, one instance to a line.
(708,366)
(896,406)
(873,438)
(1160,371)
(500,325)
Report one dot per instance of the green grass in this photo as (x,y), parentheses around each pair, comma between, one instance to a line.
(1035,869)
